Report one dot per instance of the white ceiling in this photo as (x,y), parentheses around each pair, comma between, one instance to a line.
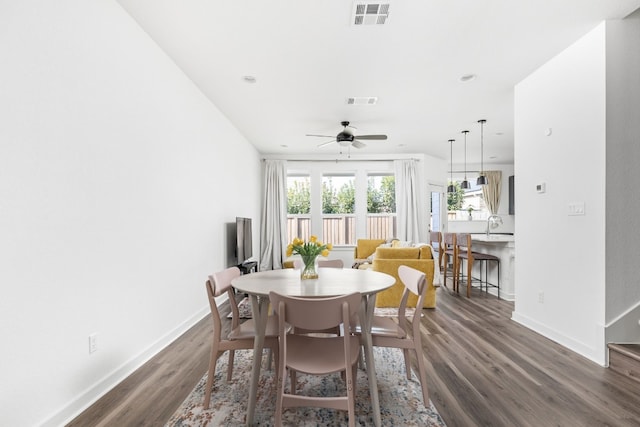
(308,59)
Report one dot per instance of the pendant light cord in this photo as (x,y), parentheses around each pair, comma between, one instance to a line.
(482,122)
(450,188)
(465,132)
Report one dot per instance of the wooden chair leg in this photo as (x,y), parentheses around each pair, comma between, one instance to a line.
(351,399)
(445,262)
(212,370)
(230,367)
(423,378)
(407,362)
(282,378)
(469,265)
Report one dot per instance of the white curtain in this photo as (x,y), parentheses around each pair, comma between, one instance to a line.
(273,232)
(491,191)
(410,207)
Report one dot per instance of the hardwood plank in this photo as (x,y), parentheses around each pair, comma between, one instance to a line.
(483,369)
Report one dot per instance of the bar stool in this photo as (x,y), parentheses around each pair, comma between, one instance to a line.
(464,253)
(448,249)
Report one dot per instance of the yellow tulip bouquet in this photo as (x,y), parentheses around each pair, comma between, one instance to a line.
(309,251)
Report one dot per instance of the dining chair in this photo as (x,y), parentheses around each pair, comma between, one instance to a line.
(316,354)
(385,332)
(449,253)
(466,254)
(330,263)
(241,336)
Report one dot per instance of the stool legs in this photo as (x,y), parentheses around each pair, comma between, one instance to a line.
(484,278)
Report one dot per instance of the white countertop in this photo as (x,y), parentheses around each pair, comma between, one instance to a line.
(493,238)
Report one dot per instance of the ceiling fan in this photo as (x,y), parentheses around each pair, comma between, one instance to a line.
(346,138)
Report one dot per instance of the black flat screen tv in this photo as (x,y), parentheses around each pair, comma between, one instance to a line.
(244,242)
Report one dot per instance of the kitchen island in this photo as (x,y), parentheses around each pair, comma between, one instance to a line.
(504,247)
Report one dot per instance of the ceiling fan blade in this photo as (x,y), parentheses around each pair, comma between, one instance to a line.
(372,137)
(326,143)
(358,144)
(324,136)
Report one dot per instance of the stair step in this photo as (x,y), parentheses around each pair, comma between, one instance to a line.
(625,359)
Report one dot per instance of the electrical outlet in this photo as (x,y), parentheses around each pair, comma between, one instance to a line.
(93,343)
(541,297)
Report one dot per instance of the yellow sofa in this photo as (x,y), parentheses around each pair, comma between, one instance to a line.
(387,260)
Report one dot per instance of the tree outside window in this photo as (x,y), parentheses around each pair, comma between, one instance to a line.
(338,209)
(298,207)
(381,206)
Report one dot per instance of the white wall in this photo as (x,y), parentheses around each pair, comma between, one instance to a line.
(623,173)
(113,169)
(562,256)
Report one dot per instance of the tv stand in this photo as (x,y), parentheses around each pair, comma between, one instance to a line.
(248,267)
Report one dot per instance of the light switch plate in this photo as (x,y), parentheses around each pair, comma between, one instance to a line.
(576,208)
(541,187)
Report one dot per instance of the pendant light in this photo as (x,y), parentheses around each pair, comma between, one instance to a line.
(482,180)
(451,188)
(465,184)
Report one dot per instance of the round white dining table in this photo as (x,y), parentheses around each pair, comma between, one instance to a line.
(330,282)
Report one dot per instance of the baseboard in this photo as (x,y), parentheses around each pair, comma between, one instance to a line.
(99,389)
(573,345)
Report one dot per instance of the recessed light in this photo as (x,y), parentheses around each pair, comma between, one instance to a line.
(467,77)
(283,145)
(499,133)
(401,145)
(249,79)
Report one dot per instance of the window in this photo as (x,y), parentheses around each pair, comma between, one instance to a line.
(338,209)
(381,206)
(466,204)
(335,200)
(298,207)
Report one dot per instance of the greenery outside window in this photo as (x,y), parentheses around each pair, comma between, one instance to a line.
(338,209)
(381,206)
(466,204)
(298,207)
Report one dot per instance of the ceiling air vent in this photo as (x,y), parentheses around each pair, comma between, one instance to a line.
(362,100)
(365,13)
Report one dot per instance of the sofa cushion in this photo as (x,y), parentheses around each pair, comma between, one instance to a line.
(398,253)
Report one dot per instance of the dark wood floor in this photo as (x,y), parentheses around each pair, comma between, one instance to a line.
(483,370)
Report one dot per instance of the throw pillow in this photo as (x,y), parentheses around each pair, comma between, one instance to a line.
(401,244)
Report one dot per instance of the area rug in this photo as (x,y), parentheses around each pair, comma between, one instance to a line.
(400,399)
(244,307)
